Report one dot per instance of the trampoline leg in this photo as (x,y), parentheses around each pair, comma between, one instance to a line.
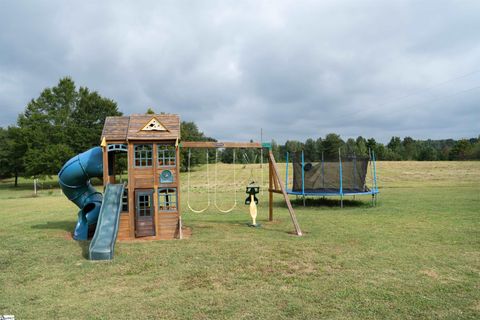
(304,201)
(341,201)
(373,200)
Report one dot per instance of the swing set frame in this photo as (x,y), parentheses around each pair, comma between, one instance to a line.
(275,183)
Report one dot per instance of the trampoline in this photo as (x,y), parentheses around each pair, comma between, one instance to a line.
(322,177)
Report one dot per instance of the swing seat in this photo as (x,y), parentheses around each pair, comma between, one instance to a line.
(252,188)
(248,201)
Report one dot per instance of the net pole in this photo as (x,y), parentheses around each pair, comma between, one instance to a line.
(341,177)
(371,172)
(286,174)
(354,173)
(323,173)
(303,177)
(375,176)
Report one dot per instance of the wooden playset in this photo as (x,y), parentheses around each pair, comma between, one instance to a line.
(150,207)
(147,205)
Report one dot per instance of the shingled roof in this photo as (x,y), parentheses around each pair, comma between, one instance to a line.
(167,127)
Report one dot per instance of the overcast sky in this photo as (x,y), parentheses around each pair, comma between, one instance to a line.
(297,69)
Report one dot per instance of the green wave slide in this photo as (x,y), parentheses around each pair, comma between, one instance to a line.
(103,242)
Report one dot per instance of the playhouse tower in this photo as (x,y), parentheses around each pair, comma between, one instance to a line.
(146,146)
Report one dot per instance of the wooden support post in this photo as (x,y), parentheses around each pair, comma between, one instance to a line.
(106,178)
(131,190)
(156,211)
(177,177)
(180,231)
(270,192)
(275,175)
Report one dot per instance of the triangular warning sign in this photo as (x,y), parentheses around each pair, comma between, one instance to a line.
(154,125)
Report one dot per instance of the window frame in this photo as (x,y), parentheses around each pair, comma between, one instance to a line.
(144,155)
(162,199)
(164,154)
(125,205)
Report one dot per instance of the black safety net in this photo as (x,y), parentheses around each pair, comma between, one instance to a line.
(323,176)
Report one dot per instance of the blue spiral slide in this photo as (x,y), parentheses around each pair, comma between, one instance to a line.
(96,211)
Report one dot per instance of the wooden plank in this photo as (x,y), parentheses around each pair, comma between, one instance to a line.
(270,194)
(131,191)
(106,180)
(141,183)
(177,181)
(285,195)
(115,128)
(212,144)
(155,188)
(275,183)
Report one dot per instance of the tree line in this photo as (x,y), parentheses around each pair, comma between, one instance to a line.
(65,120)
(396,149)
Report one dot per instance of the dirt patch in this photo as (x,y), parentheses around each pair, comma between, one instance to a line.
(68,236)
(430,273)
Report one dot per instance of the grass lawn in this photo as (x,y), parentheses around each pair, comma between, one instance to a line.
(414,256)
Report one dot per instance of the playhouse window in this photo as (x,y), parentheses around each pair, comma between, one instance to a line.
(143,155)
(144,205)
(167,199)
(125,200)
(166,155)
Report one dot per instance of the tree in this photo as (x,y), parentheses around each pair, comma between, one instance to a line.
(276,151)
(395,148)
(331,144)
(427,153)
(12,153)
(461,150)
(476,150)
(60,123)
(320,148)
(351,146)
(293,146)
(409,149)
(311,150)
(150,111)
(87,119)
(361,149)
(190,132)
(380,151)
(371,144)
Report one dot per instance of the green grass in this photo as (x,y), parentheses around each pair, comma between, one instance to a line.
(414,256)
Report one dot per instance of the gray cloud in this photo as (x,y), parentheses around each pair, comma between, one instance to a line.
(297,69)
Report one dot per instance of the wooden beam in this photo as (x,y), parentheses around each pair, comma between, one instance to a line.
(270,194)
(177,177)
(213,144)
(131,190)
(106,179)
(275,183)
(284,192)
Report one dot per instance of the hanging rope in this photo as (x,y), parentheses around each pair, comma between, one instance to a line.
(188,185)
(234,184)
